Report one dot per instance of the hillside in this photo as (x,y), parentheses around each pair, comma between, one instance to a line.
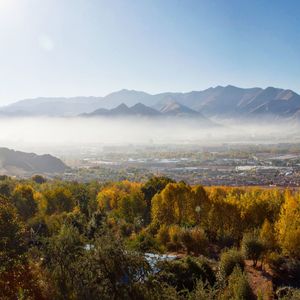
(52,106)
(174,108)
(18,163)
(170,109)
(138,109)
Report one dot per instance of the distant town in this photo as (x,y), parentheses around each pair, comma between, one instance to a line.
(227,164)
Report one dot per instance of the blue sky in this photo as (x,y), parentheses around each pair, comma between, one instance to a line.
(94,47)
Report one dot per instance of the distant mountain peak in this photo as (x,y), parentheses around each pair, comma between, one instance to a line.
(121,109)
(138,109)
(139,104)
(174,108)
(141,109)
(122,106)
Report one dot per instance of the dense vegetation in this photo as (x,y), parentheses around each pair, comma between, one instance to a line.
(69,240)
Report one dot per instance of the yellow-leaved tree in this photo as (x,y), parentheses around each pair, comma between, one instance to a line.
(178,203)
(288,225)
(124,200)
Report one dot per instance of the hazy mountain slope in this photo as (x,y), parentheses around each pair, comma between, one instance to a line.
(128,97)
(229,101)
(173,108)
(59,106)
(211,101)
(171,112)
(278,102)
(138,109)
(22,162)
(232,101)
(296,115)
(143,110)
(54,106)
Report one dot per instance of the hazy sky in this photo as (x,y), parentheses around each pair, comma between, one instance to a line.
(93,47)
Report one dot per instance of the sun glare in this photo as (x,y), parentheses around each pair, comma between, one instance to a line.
(4,4)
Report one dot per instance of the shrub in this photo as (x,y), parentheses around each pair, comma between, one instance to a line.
(288,293)
(184,273)
(38,179)
(288,268)
(208,274)
(238,286)
(203,291)
(285,269)
(292,267)
(144,242)
(225,240)
(193,240)
(275,260)
(187,240)
(200,241)
(267,236)
(174,233)
(229,260)
(163,236)
(252,247)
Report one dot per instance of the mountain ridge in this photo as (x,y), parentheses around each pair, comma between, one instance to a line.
(12,161)
(170,109)
(220,101)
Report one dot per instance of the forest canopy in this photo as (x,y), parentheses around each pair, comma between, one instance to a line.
(70,240)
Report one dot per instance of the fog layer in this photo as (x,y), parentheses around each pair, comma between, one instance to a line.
(26,133)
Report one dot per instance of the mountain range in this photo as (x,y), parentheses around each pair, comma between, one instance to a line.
(17,162)
(138,109)
(222,102)
(171,109)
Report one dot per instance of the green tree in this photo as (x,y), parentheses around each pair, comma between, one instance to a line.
(229,260)
(38,179)
(12,234)
(267,236)
(252,247)
(58,199)
(61,253)
(15,275)
(238,287)
(23,199)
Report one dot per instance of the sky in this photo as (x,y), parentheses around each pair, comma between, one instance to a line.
(94,47)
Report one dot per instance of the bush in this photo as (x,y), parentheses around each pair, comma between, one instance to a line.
(163,236)
(252,247)
(292,267)
(126,229)
(288,293)
(238,286)
(144,242)
(174,233)
(203,291)
(229,260)
(193,240)
(267,236)
(38,179)
(184,273)
(187,240)
(285,268)
(226,240)
(275,261)
(200,241)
